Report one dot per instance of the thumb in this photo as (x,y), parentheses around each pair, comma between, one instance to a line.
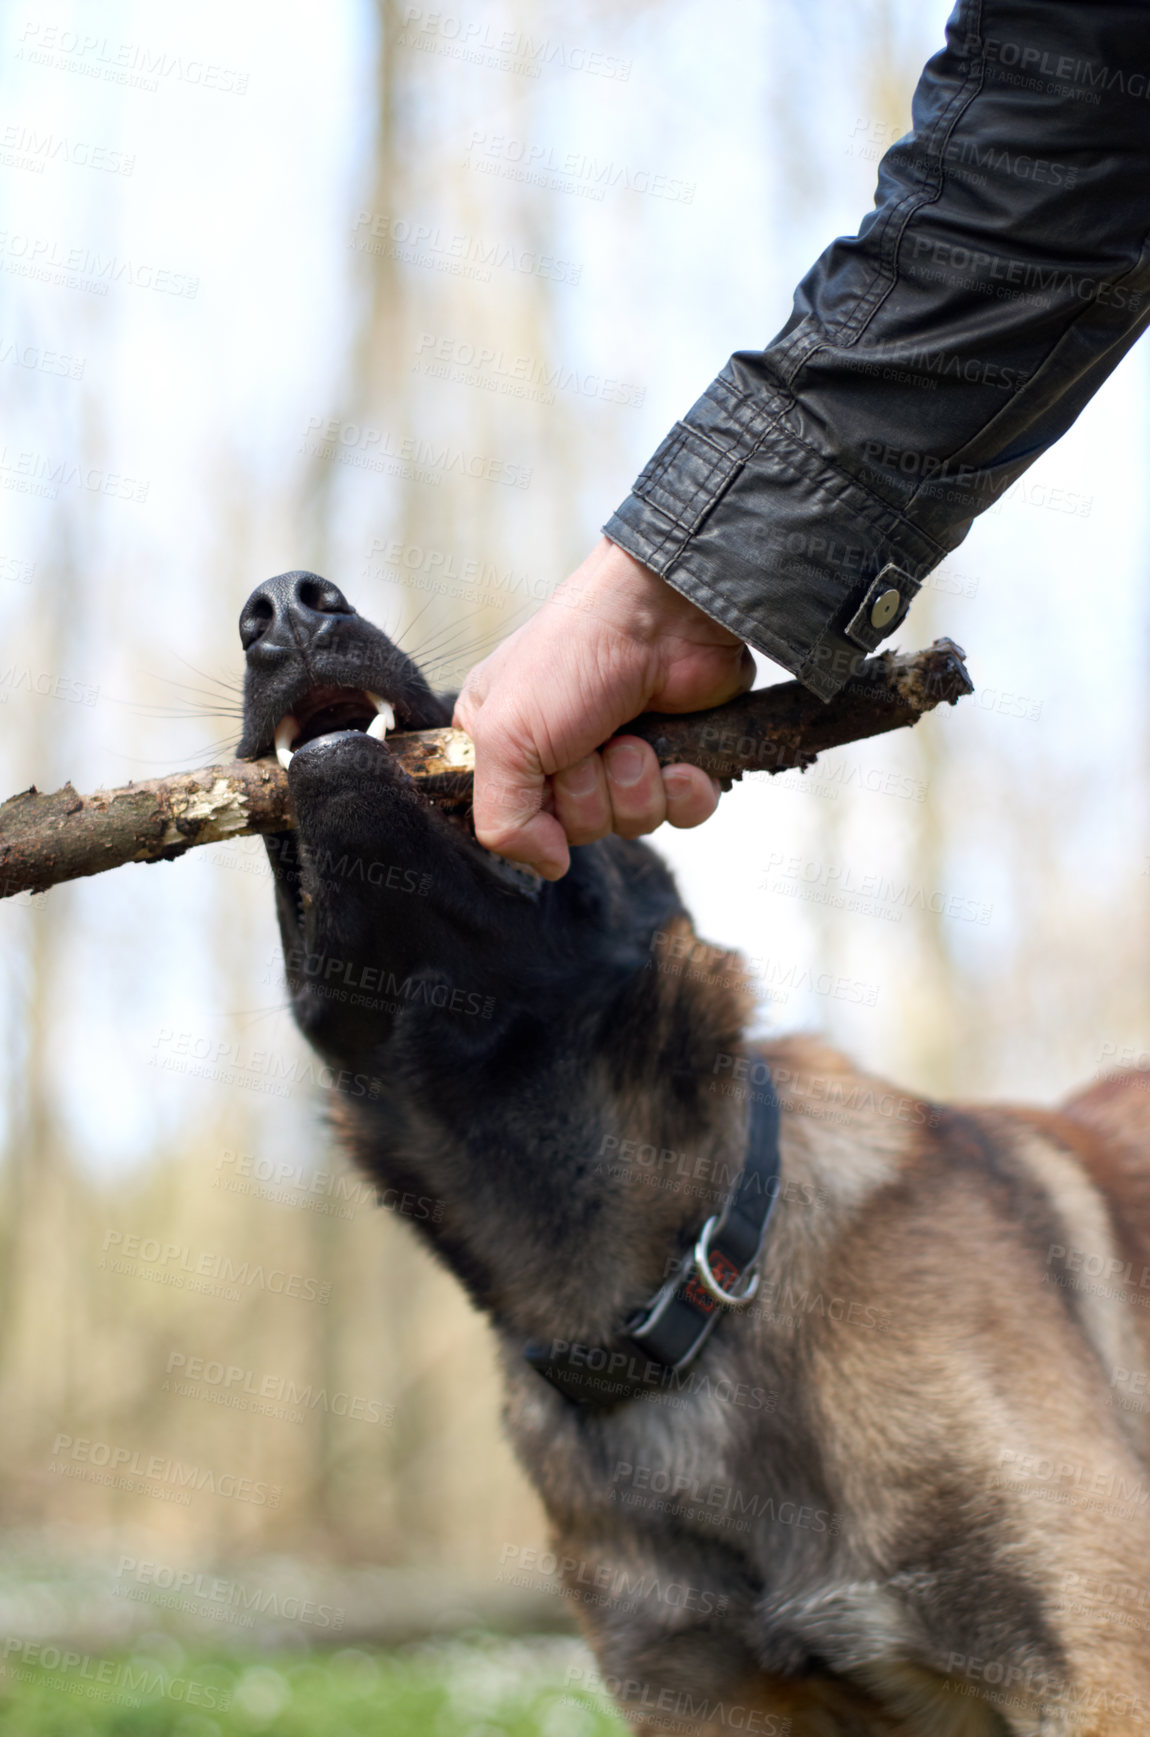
(702,677)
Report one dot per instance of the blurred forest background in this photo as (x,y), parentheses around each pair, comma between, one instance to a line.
(408,297)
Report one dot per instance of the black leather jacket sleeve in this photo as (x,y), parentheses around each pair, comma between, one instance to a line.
(1001,276)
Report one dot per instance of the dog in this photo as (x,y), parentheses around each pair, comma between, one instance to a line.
(885,1473)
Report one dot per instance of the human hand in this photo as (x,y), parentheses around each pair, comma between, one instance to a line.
(612,641)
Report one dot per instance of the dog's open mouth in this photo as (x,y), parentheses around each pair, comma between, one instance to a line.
(325,711)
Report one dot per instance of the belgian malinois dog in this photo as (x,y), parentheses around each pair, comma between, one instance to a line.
(891,1475)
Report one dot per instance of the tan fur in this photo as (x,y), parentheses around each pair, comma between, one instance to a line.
(982,1405)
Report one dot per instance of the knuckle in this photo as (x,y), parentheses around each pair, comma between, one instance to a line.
(586,833)
(644,812)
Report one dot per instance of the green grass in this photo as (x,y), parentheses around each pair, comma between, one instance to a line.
(447,1689)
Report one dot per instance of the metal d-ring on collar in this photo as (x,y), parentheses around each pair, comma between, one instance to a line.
(655,1346)
(729,1299)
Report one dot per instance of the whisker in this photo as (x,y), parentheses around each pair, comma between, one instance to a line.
(462,647)
(233,682)
(443,647)
(456,624)
(231,697)
(169,712)
(419,617)
(209,755)
(251,1014)
(461,655)
(213,754)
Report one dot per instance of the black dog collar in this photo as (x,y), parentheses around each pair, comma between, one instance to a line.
(659,1343)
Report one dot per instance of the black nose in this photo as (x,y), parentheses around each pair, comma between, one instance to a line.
(289,613)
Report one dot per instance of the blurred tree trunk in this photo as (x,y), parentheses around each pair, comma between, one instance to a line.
(39,1329)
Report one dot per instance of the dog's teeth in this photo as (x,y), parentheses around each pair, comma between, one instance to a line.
(384,719)
(286,731)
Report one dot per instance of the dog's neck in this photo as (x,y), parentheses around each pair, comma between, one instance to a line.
(563,1173)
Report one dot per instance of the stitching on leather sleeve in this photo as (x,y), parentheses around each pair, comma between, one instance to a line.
(702,472)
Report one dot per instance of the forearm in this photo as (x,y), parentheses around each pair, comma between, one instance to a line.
(929,360)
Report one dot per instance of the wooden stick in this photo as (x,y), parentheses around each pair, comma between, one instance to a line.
(778,728)
(46,839)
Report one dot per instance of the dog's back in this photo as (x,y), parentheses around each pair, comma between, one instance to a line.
(1045,1203)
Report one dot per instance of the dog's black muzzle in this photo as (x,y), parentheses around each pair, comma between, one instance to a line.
(375,883)
(312,658)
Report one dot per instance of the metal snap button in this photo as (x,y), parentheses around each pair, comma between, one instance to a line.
(885,608)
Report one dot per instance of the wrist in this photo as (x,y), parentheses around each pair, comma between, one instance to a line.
(634,599)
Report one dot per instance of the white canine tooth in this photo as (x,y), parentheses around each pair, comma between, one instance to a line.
(384,719)
(286,731)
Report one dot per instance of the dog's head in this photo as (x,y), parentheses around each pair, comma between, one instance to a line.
(390,912)
(488,1033)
